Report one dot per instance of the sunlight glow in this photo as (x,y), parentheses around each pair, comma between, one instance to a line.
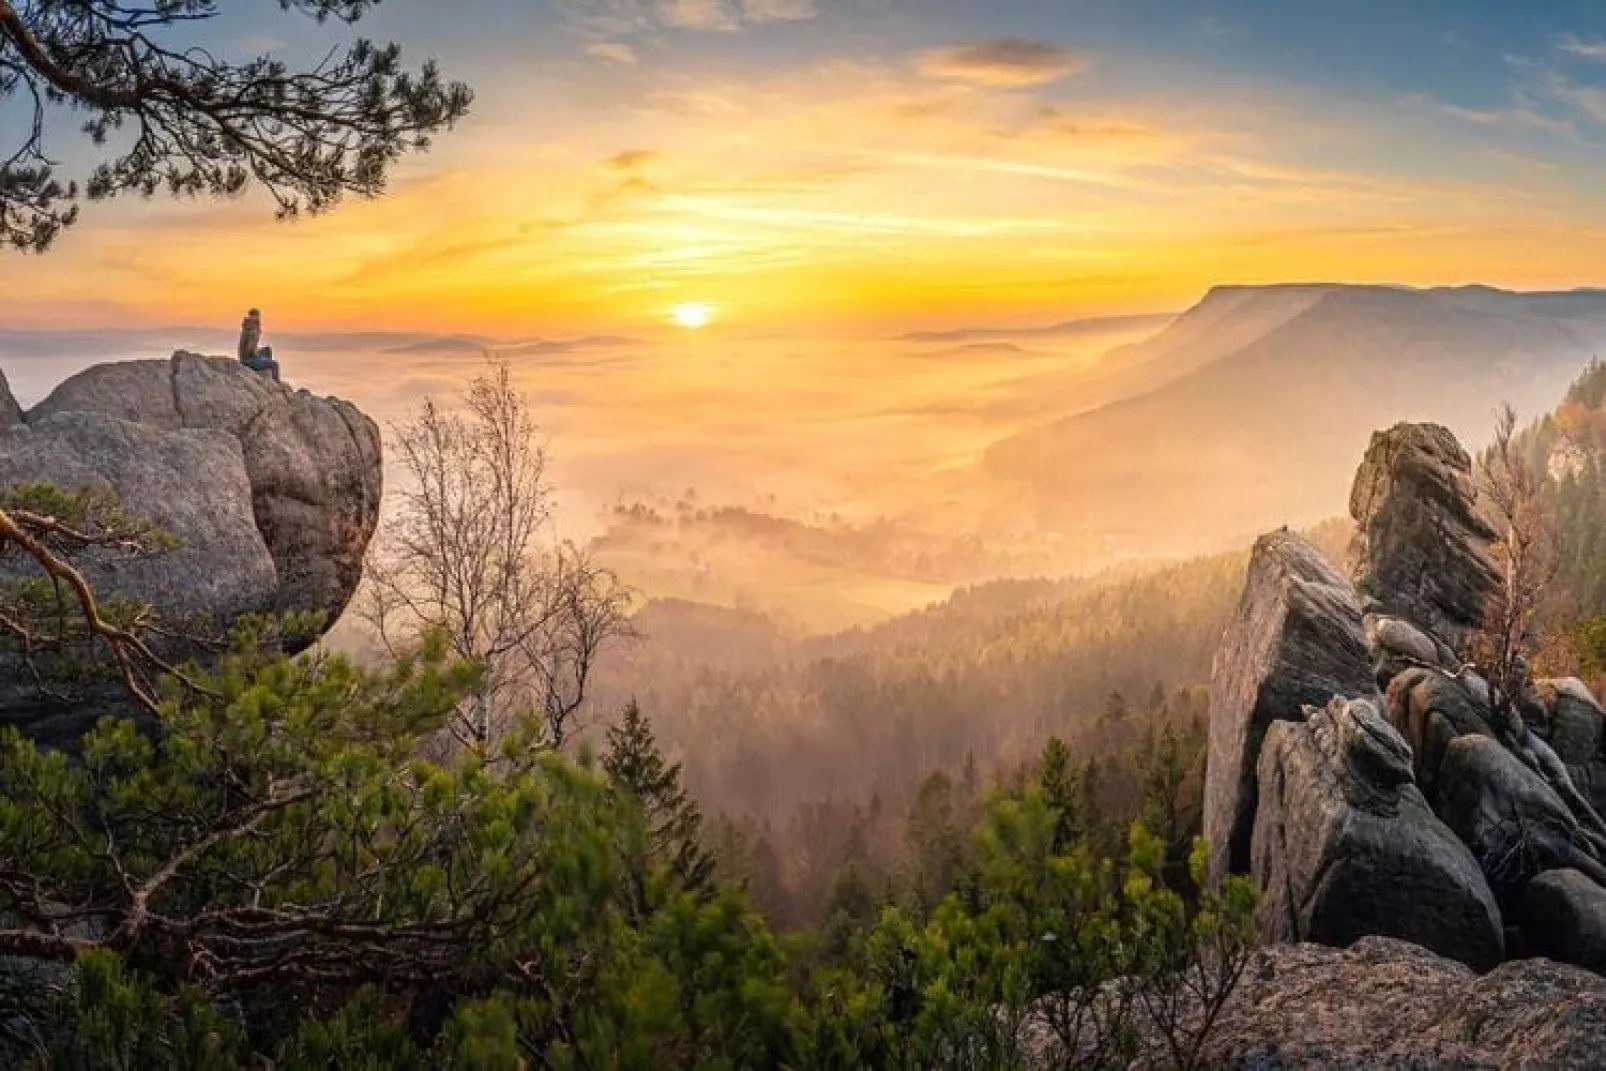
(693,314)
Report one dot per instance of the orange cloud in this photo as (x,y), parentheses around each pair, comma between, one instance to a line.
(1001,61)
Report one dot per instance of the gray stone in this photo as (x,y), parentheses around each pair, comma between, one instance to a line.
(1387,1004)
(1294,641)
(1574,720)
(191,483)
(10,411)
(1400,637)
(1513,820)
(1422,549)
(1431,707)
(1563,917)
(1345,846)
(313,463)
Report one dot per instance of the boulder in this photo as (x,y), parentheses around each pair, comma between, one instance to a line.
(1295,641)
(10,411)
(1574,721)
(313,463)
(221,567)
(1384,1003)
(1563,917)
(1422,549)
(1345,846)
(1430,708)
(1514,822)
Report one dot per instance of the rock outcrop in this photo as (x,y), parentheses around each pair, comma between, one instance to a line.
(1445,824)
(1345,846)
(313,464)
(190,483)
(1388,1004)
(1422,548)
(1512,819)
(1295,641)
(10,411)
(270,494)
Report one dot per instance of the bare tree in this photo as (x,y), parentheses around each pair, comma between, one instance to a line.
(1528,554)
(469,554)
(198,124)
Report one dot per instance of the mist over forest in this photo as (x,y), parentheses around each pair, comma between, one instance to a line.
(856,564)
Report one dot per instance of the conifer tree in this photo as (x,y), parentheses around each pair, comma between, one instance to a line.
(634,763)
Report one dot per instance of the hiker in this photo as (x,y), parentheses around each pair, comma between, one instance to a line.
(253,354)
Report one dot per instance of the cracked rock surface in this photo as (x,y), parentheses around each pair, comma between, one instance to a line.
(311,466)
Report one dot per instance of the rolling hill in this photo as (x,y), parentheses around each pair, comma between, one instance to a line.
(1271,396)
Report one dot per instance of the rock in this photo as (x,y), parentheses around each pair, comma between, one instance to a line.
(313,463)
(1430,708)
(10,411)
(1563,917)
(1575,720)
(221,566)
(1345,846)
(1512,819)
(1388,1004)
(1423,551)
(192,483)
(1398,636)
(1294,641)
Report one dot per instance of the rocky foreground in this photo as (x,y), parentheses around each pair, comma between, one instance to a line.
(1360,772)
(1383,1003)
(271,494)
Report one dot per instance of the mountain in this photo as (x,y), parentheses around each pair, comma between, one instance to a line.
(1270,395)
(1087,326)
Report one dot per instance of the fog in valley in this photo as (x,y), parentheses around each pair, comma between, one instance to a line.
(858,561)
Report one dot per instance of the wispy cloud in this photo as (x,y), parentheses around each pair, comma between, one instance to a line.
(709,15)
(779,10)
(613,52)
(1001,61)
(1591,48)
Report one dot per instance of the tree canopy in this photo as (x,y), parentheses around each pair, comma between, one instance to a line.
(169,114)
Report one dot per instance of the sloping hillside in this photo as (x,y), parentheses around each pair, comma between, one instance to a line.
(1286,385)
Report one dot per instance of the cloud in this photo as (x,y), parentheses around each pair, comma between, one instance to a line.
(631,160)
(1587,99)
(1593,48)
(1001,61)
(1520,115)
(613,52)
(778,10)
(709,15)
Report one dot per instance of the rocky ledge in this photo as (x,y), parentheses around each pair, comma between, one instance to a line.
(271,494)
(1357,768)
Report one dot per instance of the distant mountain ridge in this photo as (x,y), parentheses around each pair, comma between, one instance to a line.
(1266,397)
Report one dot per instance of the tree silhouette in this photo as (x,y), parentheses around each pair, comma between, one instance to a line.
(201,125)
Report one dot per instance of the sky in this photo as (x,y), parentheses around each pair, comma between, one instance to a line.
(874,166)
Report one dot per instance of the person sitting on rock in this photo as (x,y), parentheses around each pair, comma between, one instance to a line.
(253,354)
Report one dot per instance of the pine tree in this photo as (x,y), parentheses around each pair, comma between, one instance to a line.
(1060,790)
(634,763)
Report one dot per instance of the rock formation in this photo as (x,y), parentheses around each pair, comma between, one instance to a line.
(1445,824)
(1422,548)
(1383,1003)
(313,463)
(1346,847)
(271,494)
(1295,641)
(10,411)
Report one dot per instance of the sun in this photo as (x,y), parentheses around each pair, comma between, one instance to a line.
(693,314)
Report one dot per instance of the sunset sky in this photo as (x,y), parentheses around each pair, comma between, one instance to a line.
(876,165)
